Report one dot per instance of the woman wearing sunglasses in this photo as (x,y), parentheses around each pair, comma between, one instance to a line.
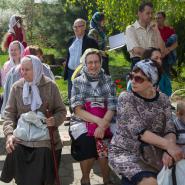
(144,119)
(164,84)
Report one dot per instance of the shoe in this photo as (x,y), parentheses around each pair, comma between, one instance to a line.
(87,183)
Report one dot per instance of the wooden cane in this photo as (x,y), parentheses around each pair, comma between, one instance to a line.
(51,131)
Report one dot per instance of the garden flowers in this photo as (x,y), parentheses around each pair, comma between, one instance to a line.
(120,86)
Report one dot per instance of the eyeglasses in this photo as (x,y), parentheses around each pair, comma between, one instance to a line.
(93,62)
(137,79)
(79,26)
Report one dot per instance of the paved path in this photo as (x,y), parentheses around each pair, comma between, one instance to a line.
(69,171)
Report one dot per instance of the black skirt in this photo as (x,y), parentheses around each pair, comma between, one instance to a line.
(84,147)
(30,166)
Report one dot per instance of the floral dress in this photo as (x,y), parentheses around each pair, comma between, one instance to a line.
(136,114)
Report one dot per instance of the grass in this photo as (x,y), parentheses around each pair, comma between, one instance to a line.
(3,59)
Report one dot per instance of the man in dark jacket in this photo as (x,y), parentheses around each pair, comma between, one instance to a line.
(76,47)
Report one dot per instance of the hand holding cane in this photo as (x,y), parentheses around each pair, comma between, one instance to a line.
(51,131)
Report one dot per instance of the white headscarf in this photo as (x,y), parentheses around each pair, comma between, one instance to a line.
(31,94)
(21,47)
(12,23)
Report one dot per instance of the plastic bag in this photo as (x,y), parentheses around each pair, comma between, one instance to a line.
(165,177)
(180,172)
(31,127)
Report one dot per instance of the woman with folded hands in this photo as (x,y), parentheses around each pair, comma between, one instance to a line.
(94,103)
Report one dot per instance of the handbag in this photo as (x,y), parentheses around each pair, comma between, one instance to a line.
(98,109)
(151,155)
(31,127)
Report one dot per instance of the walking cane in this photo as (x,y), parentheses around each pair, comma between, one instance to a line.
(51,130)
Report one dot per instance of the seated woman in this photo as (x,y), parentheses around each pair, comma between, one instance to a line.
(30,162)
(16,32)
(144,121)
(15,74)
(15,50)
(94,103)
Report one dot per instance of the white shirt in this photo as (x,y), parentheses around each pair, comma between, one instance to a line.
(138,36)
(75,51)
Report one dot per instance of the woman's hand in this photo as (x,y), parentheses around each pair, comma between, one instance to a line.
(99,132)
(50,122)
(167,160)
(175,151)
(10,143)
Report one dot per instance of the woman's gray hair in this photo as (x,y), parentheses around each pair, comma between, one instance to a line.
(90,51)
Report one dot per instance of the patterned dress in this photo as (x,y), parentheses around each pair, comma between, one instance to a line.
(134,115)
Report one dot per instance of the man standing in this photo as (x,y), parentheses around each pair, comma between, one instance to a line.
(170,39)
(143,34)
(76,47)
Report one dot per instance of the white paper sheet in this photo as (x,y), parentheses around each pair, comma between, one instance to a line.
(117,41)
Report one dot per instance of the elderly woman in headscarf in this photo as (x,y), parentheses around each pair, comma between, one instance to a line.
(15,73)
(94,103)
(96,32)
(145,137)
(29,159)
(16,32)
(16,50)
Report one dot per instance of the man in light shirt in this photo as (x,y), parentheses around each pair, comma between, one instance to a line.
(76,47)
(143,34)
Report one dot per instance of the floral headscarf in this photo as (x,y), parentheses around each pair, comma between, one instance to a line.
(95,23)
(149,69)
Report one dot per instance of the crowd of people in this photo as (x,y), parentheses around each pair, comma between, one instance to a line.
(135,133)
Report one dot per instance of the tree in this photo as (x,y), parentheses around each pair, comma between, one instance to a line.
(47,25)
(121,13)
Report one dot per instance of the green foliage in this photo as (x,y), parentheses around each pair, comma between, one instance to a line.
(3,59)
(47,25)
(121,13)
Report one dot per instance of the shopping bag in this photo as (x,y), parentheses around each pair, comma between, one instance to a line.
(165,177)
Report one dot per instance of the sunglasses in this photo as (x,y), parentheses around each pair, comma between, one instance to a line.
(137,79)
